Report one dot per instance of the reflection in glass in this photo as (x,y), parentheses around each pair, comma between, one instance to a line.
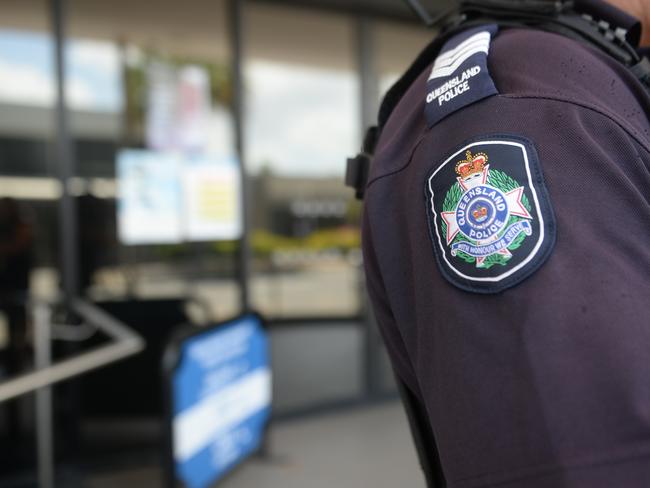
(302,125)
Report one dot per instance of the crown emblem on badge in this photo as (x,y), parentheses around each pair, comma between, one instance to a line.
(473,170)
(471,165)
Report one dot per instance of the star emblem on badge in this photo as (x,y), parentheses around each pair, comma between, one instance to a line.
(483,210)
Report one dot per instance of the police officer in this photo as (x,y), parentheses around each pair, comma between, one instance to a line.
(506,240)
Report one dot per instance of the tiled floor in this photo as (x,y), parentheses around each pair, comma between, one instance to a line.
(368,447)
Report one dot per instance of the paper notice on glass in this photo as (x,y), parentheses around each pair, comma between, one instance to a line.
(149,204)
(212,192)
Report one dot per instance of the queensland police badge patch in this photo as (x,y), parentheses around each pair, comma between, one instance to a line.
(490,217)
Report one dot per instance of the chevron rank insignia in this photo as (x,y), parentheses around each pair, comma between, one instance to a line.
(460,75)
(490,217)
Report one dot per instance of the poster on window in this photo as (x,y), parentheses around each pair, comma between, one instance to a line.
(150,198)
(212,193)
(179,108)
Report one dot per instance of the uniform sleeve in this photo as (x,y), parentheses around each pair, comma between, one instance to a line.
(543,383)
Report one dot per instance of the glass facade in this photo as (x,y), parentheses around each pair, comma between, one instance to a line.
(302,120)
(302,123)
(28,195)
(163,86)
(27,172)
(150,92)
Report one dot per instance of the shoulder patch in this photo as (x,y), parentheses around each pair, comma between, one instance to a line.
(460,74)
(490,217)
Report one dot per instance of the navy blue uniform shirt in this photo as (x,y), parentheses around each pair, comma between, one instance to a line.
(506,241)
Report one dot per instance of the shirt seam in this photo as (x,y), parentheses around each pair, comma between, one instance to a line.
(631,132)
(595,108)
(408,161)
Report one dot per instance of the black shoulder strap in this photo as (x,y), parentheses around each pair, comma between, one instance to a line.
(554,16)
(397,91)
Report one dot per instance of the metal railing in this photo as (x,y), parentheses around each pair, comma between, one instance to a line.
(123,342)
